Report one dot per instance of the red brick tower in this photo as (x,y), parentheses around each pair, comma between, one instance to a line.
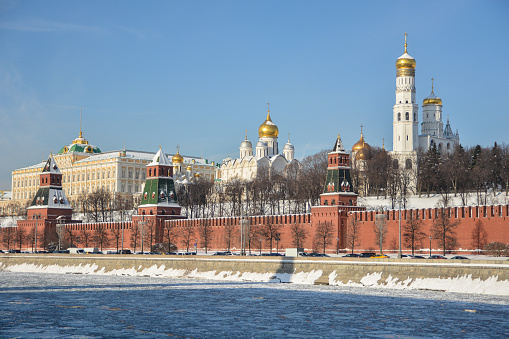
(338,198)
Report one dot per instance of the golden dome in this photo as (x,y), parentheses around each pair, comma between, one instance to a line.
(405,62)
(361,144)
(177,158)
(432,99)
(189,168)
(268,128)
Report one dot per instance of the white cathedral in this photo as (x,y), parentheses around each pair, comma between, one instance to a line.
(266,157)
(406,140)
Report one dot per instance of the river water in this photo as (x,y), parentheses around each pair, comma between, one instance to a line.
(38,305)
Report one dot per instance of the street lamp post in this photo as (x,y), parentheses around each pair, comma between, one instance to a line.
(260,246)
(278,235)
(430,245)
(337,246)
(36,217)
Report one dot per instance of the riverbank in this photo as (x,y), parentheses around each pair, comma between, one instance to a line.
(465,276)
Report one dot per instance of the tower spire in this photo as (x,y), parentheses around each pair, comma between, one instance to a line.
(81,112)
(268,112)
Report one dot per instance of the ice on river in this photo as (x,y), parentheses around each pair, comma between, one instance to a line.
(46,305)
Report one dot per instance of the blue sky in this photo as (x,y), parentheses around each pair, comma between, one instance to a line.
(199,73)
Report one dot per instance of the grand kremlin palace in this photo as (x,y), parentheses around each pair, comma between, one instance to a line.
(85,169)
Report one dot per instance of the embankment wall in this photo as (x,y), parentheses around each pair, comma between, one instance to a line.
(330,271)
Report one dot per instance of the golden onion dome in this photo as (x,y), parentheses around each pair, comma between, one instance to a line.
(189,168)
(405,61)
(268,128)
(177,158)
(432,99)
(360,145)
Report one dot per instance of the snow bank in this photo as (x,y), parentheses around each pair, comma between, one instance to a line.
(460,284)
(308,278)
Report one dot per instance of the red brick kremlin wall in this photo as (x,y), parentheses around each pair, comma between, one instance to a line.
(495,220)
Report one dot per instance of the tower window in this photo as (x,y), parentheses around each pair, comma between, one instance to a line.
(407,101)
(407,138)
(399,116)
(415,117)
(406,116)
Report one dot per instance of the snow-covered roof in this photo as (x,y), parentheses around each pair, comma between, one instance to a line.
(160,159)
(51,166)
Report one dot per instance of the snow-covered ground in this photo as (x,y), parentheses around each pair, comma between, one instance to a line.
(414,201)
(98,306)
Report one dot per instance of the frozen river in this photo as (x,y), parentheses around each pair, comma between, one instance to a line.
(37,305)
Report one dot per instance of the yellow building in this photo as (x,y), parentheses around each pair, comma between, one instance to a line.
(85,169)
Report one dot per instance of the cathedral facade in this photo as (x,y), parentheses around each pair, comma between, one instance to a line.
(264,157)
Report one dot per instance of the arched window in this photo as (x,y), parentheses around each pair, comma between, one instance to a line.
(407,116)
(415,118)
(325,203)
(333,202)
(399,116)
(408,163)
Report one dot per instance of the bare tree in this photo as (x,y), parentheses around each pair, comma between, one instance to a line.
(170,234)
(444,230)
(479,235)
(101,236)
(70,236)
(135,237)
(85,236)
(412,231)
(353,232)
(20,236)
(205,231)
(187,235)
(230,231)
(299,235)
(8,236)
(270,231)
(324,233)
(380,229)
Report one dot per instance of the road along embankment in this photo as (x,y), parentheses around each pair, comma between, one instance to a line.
(466,276)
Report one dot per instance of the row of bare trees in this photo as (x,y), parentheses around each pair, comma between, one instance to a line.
(269,193)
(443,232)
(103,206)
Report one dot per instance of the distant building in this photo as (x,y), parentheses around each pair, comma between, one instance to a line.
(85,168)
(266,156)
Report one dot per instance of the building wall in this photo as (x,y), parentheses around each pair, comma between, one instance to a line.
(495,219)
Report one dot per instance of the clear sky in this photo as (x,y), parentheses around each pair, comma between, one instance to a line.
(200,73)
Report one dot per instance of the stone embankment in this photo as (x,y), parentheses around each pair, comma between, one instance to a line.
(470,276)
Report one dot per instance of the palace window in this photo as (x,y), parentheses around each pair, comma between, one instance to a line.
(399,116)
(130,174)
(137,175)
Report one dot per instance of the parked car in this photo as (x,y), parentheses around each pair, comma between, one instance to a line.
(436,256)
(351,255)
(124,252)
(14,251)
(459,257)
(380,256)
(316,254)
(367,255)
(417,257)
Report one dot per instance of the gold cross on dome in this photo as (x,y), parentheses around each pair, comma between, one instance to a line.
(361,128)
(268,107)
